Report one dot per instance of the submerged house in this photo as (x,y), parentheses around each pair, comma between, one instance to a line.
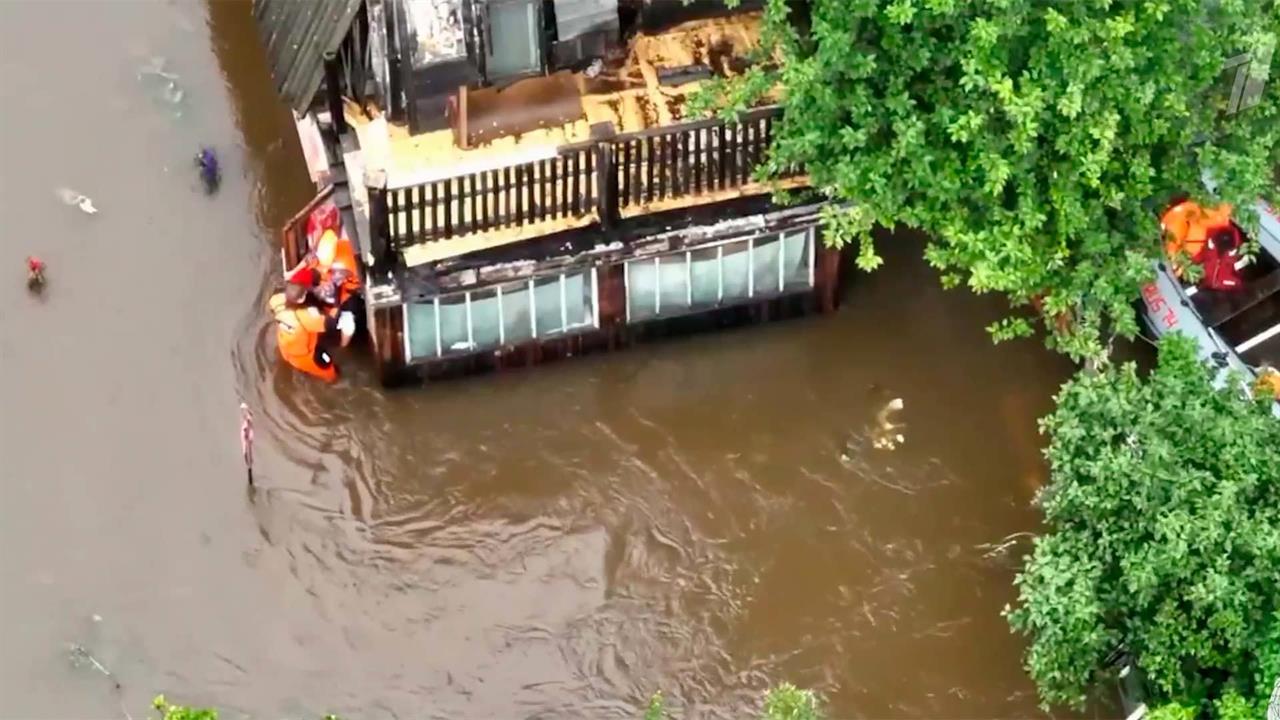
(523,180)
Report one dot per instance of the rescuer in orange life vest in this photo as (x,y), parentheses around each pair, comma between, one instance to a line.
(329,271)
(1207,238)
(1189,226)
(305,334)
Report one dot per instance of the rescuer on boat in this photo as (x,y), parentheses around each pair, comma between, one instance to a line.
(305,334)
(329,270)
(316,313)
(1207,238)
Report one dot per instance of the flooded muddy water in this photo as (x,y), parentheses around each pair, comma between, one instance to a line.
(703,516)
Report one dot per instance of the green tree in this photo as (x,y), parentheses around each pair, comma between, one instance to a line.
(787,702)
(1163,537)
(1032,140)
(657,709)
(169,711)
(784,702)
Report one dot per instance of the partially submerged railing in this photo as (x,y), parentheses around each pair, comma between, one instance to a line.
(293,235)
(601,179)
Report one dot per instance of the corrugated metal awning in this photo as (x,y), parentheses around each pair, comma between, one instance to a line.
(579,17)
(296,35)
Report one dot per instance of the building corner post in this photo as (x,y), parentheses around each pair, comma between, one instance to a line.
(333,92)
(606,185)
(380,244)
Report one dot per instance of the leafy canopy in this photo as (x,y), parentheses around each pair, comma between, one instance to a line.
(1163,537)
(169,711)
(1033,140)
(783,702)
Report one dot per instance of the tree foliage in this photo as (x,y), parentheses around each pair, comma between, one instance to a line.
(1163,537)
(1032,140)
(788,702)
(784,702)
(169,711)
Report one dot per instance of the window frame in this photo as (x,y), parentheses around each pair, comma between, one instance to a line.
(565,330)
(808,233)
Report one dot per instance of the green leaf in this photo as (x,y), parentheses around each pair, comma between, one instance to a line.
(1032,141)
(1162,537)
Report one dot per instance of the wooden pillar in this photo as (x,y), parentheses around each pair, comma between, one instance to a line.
(828,277)
(333,91)
(395,71)
(380,245)
(386,329)
(606,185)
(462,126)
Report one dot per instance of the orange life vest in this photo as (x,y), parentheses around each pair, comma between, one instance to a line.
(1189,226)
(298,332)
(1268,382)
(333,252)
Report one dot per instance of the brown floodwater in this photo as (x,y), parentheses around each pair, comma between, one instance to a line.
(704,516)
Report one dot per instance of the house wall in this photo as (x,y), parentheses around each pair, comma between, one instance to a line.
(606,304)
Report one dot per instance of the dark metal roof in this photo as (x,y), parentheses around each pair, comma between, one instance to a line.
(297,34)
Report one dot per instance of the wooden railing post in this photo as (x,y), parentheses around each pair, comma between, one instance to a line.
(333,91)
(380,244)
(606,185)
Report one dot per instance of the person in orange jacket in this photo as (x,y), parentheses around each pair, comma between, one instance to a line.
(335,258)
(1189,226)
(1268,382)
(328,293)
(329,270)
(304,333)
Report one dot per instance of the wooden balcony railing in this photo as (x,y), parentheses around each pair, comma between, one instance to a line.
(603,180)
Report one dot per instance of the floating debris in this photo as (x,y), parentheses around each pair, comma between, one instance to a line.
(885,435)
(210,174)
(162,84)
(76,199)
(80,657)
(35,274)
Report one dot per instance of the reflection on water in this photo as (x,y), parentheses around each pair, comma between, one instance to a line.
(547,544)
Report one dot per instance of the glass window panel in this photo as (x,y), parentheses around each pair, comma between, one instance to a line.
(736,268)
(673,285)
(765,261)
(484,319)
(578,299)
(422,330)
(514,47)
(642,285)
(453,324)
(705,276)
(795,260)
(546,303)
(515,313)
